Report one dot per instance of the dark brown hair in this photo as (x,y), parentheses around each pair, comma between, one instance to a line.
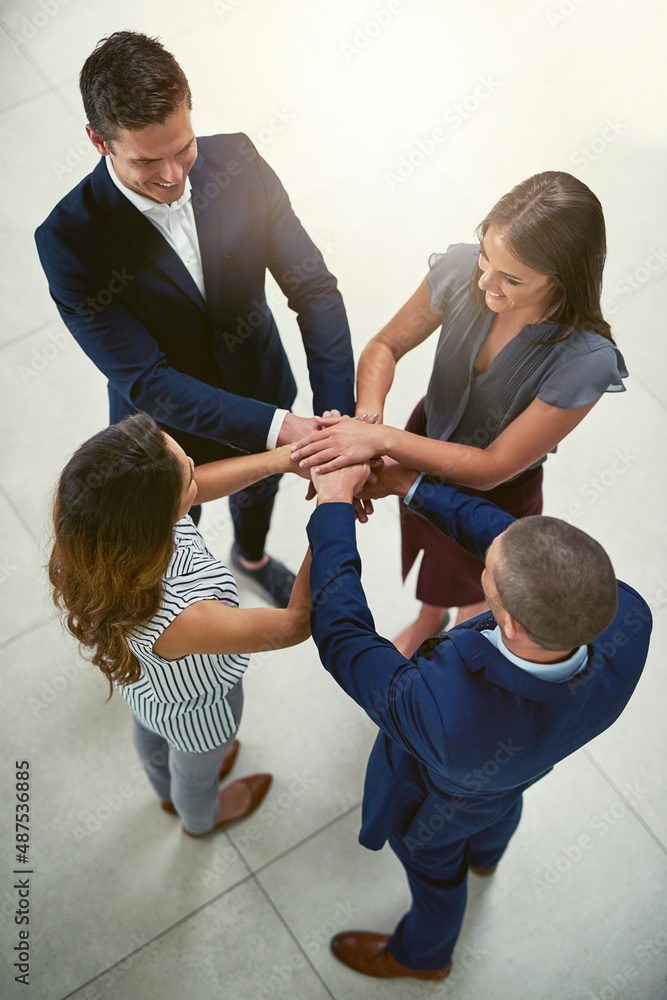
(116,503)
(130,81)
(554,224)
(557,581)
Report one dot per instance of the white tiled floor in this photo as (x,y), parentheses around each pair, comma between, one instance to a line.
(123,905)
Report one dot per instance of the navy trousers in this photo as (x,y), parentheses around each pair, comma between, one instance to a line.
(437,870)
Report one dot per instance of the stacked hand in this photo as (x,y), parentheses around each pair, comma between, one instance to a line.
(343,457)
(343,487)
(338,441)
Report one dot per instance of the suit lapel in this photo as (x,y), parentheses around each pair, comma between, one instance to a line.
(133,227)
(208,219)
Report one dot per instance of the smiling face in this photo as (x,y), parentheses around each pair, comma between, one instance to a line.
(509,285)
(153,161)
(189,492)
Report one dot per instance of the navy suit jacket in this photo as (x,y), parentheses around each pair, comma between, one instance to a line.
(212,372)
(462,729)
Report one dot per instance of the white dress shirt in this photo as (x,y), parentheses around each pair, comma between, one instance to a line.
(176,222)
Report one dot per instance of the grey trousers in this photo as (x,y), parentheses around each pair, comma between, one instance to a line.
(189,780)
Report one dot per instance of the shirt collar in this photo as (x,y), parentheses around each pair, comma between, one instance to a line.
(554,672)
(144,204)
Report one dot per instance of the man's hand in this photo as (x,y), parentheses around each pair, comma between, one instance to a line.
(342,485)
(390,479)
(294,428)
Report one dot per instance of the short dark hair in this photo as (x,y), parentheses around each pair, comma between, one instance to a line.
(557,581)
(130,81)
(553,223)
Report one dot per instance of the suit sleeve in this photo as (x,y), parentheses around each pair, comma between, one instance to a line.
(390,688)
(119,344)
(470,521)
(312,293)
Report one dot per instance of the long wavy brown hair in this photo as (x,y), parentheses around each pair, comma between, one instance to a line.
(115,506)
(553,223)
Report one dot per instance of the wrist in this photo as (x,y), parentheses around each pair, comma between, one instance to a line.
(386,439)
(333,495)
(282,456)
(369,407)
(406,480)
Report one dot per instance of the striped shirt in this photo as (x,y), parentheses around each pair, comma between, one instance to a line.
(473,408)
(184,700)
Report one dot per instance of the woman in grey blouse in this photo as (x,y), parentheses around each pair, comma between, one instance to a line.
(524,354)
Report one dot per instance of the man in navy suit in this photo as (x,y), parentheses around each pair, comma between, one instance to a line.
(157,262)
(477,715)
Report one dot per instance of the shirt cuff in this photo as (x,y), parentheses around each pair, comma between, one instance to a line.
(275,429)
(413,489)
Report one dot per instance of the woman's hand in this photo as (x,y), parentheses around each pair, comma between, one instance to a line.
(339,442)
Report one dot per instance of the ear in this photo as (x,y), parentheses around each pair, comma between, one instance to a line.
(97,141)
(512,628)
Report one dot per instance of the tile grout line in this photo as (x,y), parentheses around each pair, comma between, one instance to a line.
(251,876)
(300,843)
(19,515)
(26,334)
(292,935)
(627,803)
(167,930)
(26,631)
(24,100)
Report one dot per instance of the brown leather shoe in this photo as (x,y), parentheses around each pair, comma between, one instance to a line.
(225,768)
(483,871)
(367,952)
(257,785)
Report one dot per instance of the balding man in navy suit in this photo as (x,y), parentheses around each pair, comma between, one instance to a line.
(157,263)
(478,714)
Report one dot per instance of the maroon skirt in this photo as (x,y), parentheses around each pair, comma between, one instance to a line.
(449,576)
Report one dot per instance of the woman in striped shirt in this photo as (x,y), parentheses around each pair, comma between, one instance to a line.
(160,614)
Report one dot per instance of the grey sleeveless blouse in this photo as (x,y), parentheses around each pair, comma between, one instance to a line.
(474,408)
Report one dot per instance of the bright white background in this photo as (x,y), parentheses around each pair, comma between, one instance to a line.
(394,128)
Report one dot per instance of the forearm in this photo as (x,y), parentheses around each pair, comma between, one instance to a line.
(479,468)
(367,666)
(229,475)
(326,339)
(413,323)
(470,521)
(375,375)
(299,602)
(312,293)
(341,621)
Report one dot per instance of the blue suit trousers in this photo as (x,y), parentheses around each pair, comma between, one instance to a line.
(437,872)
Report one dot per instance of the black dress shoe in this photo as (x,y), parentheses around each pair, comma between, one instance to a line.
(274,580)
